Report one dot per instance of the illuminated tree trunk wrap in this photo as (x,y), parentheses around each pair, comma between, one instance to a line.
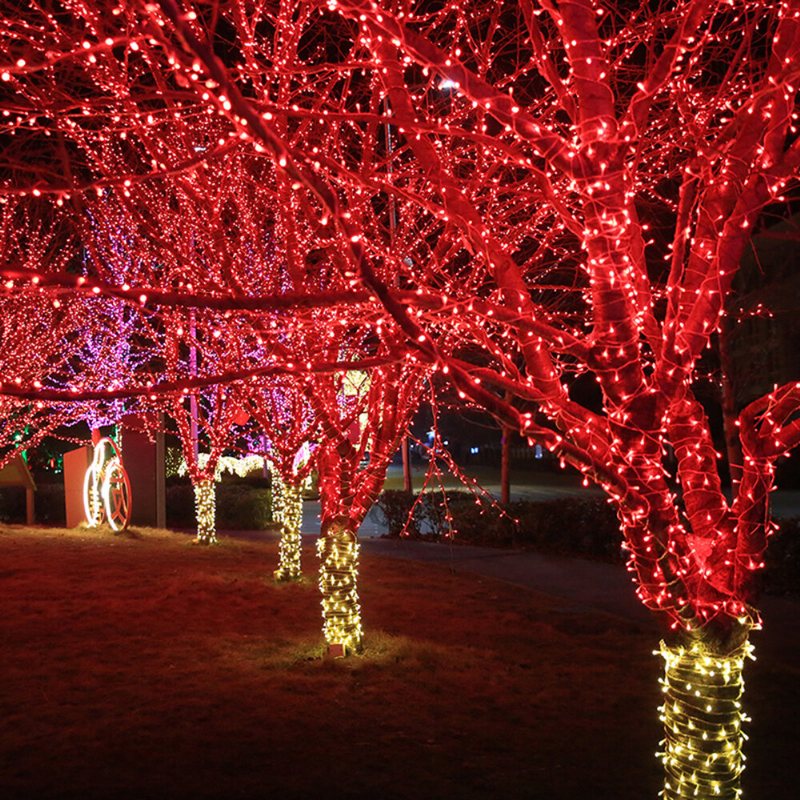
(289,547)
(276,482)
(338,551)
(702,716)
(205,505)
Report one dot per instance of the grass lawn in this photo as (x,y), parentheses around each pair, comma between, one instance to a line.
(145,667)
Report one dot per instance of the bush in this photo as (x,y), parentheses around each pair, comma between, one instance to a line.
(575,526)
(395,506)
(479,524)
(254,480)
(243,507)
(180,505)
(569,526)
(430,516)
(48,503)
(12,504)
(436,507)
(240,506)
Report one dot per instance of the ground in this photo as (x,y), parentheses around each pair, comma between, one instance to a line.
(143,666)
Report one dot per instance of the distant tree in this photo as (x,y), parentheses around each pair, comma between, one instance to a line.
(290,434)
(363,416)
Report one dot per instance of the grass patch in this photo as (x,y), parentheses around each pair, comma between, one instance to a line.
(141,666)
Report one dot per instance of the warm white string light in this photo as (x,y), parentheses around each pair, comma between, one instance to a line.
(241,467)
(205,511)
(338,550)
(703,717)
(289,546)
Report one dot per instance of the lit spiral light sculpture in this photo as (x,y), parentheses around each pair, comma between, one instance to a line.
(106,488)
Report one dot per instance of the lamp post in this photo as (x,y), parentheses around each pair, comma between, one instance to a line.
(407,481)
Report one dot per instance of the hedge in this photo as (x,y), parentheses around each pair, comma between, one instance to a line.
(570,526)
(241,505)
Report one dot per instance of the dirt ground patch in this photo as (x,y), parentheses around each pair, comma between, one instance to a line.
(143,666)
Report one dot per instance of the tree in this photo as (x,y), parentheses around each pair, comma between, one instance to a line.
(290,430)
(42,336)
(363,417)
(575,184)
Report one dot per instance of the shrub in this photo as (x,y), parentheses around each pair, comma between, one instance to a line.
(12,504)
(240,506)
(484,525)
(49,504)
(571,525)
(48,501)
(436,507)
(243,507)
(395,506)
(180,505)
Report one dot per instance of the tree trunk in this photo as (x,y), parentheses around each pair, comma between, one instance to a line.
(276,494)
(702,716)
(338,550)
(205,511)
(289,568)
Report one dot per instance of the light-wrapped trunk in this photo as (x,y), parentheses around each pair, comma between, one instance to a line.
(276,489)
(289,567)
(205,511)
(703,717)
(338,550)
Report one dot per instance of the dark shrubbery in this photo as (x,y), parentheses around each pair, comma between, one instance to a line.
(240,506)
(395,505)
(569,526)
(180,505)
(48,502)
(243,504)
(243,507)
(12,504)
(580,526)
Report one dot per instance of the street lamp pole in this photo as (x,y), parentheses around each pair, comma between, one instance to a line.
(407,482)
